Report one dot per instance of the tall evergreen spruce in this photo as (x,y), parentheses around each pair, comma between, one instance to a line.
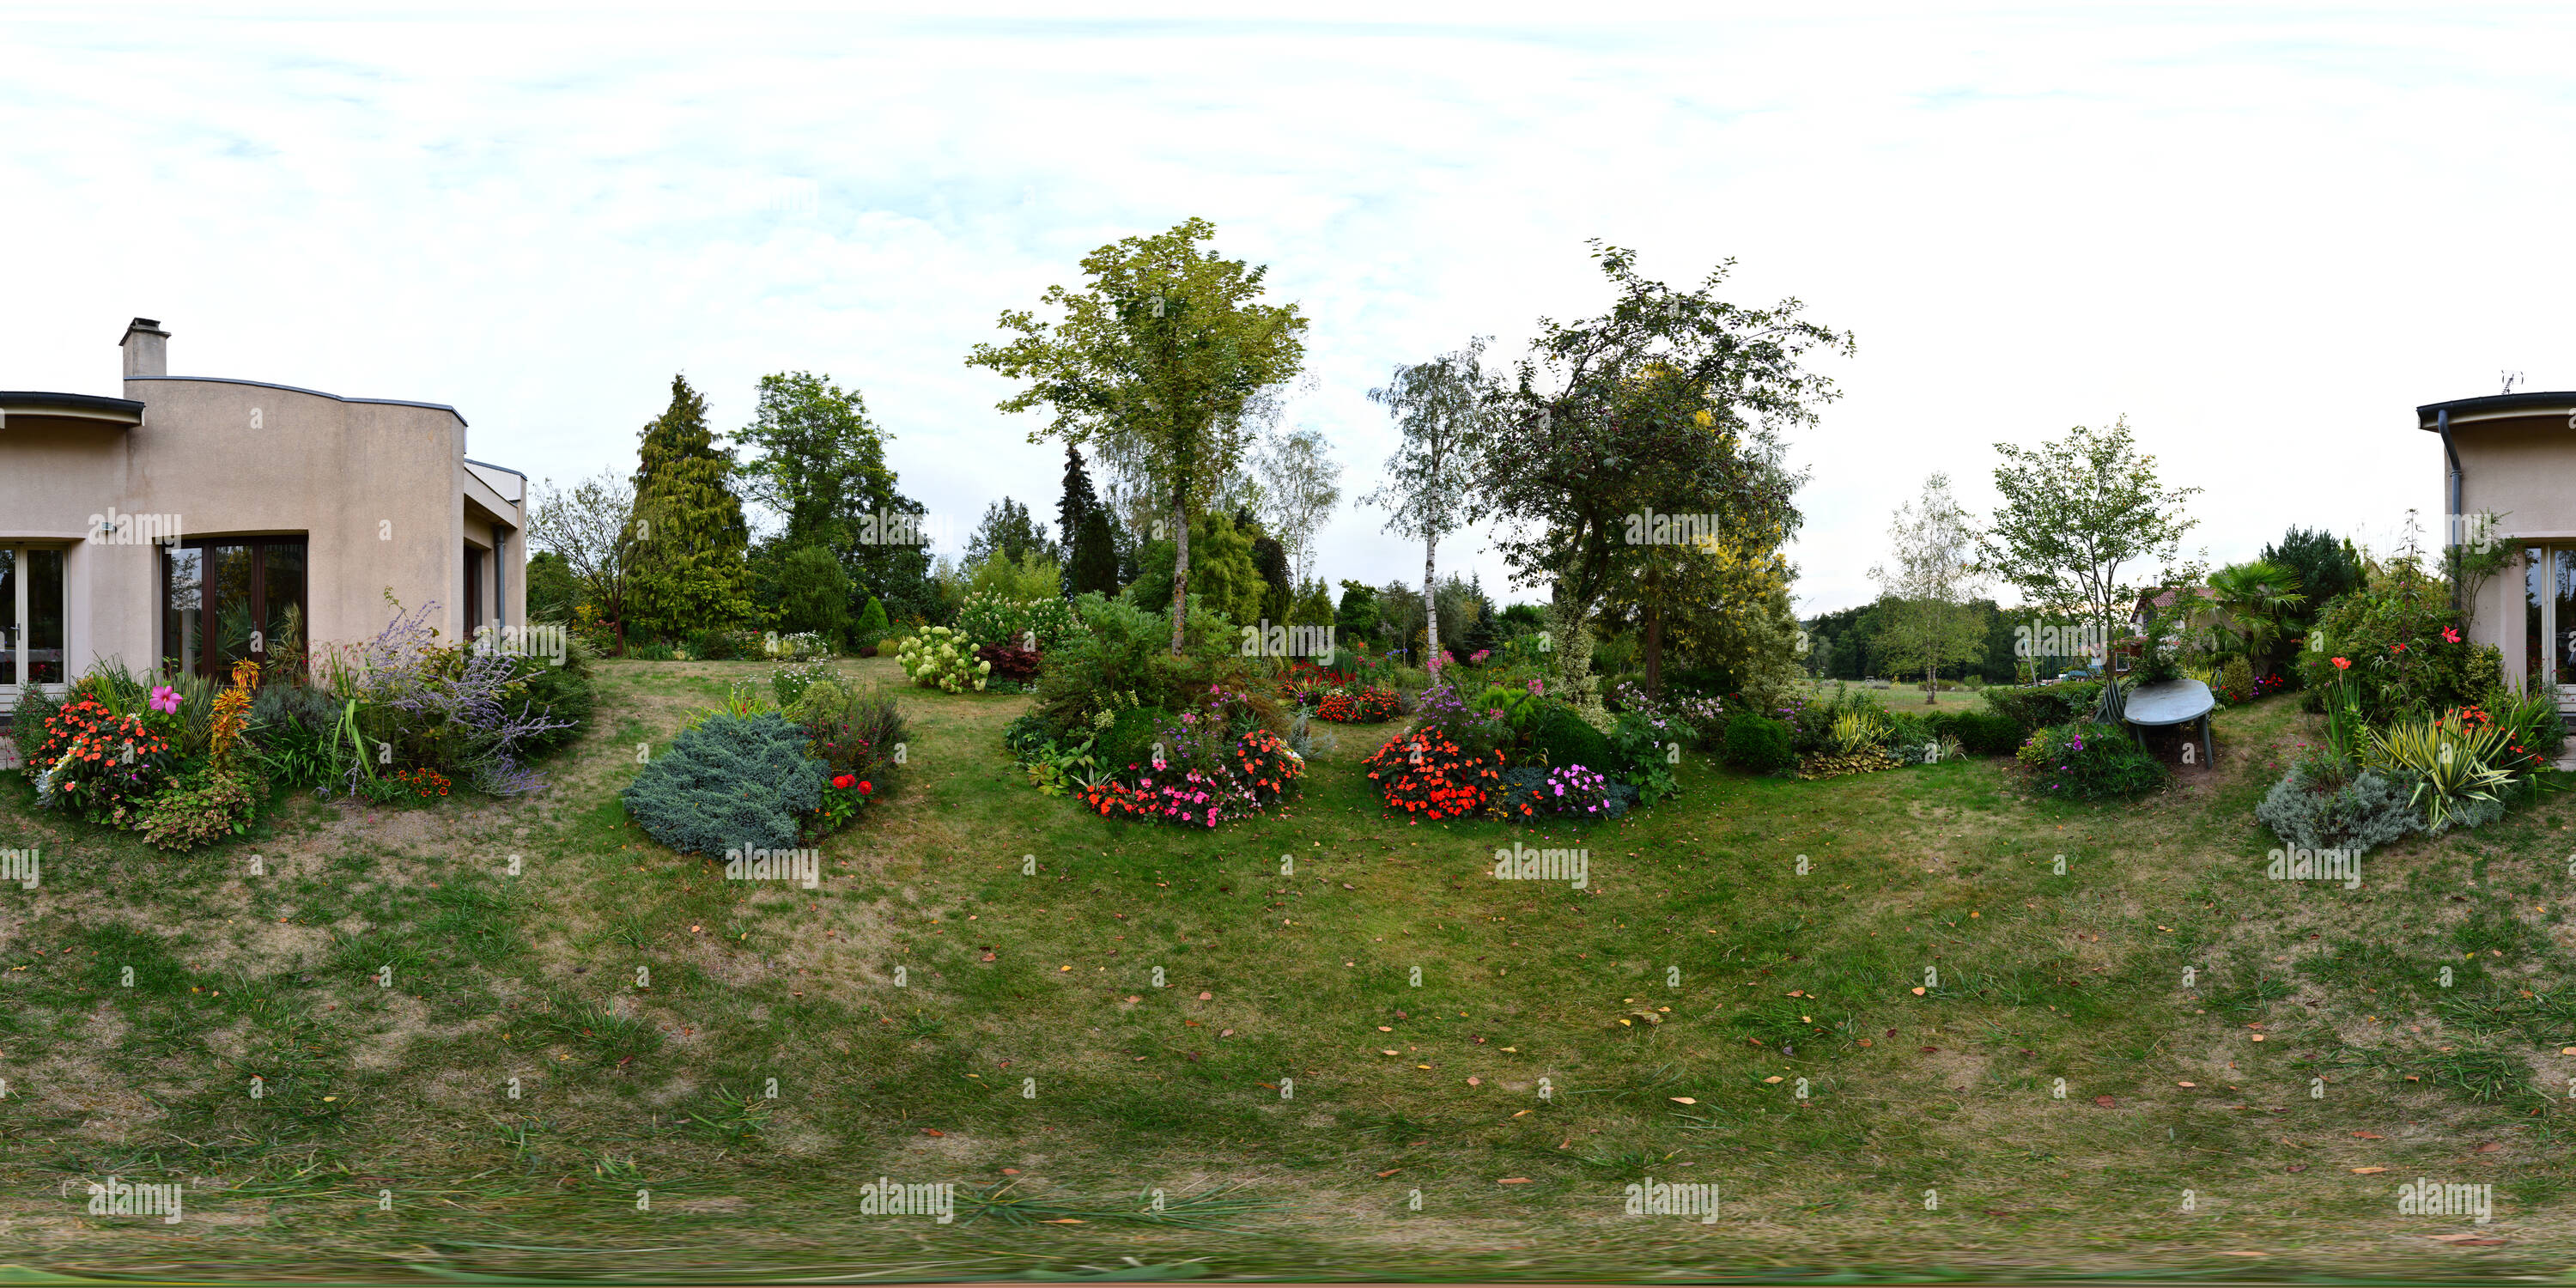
(691,572)
(1078,502)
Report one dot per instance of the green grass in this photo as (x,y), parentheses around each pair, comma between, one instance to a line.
(645,1007)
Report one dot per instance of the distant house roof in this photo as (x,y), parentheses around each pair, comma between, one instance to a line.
(2170,596)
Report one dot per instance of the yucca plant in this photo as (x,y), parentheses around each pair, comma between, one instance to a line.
(2452,763)
(1858,731)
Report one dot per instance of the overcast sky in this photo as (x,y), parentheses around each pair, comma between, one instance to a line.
(2263,234)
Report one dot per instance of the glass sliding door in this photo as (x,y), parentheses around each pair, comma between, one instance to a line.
(34,628)
(9,619)
(183,616)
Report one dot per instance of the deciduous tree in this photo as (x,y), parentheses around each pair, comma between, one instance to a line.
(1156,357)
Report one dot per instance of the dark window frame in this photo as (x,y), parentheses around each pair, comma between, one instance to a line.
(257,552)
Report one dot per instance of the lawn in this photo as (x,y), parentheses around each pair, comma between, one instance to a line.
(1327,1044)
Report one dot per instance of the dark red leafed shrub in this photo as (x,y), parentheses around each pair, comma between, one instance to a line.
(1009,662)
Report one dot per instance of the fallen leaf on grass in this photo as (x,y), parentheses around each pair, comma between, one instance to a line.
(2369,1135)
(932,1131)
(1389,1172)
(2366,1171)
(2106,1102)
(1686,1100)
(1918,992)
(2490,1147)
(1513,1180)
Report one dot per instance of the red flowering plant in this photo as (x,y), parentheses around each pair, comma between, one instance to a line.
(1305,684)
(1338,707)
(424,782)
(844,795)
(1213,765)
(1429,776)
(102,765)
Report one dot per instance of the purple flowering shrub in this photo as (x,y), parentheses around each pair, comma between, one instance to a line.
(421,704)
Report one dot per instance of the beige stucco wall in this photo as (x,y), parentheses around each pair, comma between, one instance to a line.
(2526,471)
(379,490)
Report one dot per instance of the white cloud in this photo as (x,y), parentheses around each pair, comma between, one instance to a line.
(2262,234)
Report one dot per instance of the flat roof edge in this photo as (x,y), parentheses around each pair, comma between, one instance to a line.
(90,402)
(2495,405)
(297,389)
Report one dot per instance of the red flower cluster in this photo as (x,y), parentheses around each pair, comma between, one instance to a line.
(99,760)
(424,781)
(1257,772)
(1428,776)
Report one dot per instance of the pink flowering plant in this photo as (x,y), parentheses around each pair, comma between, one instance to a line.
(2086,761)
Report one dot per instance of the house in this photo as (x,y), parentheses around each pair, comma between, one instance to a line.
(199,520)
(2510,456)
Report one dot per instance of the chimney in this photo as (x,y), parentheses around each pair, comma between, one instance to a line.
(147,349)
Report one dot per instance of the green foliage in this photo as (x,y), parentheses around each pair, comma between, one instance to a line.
(2326,568)
(690,573)
(817,459)
(1759,745)
(1986,733)
(1008,531)
(2236,681)
(2033,707)
(731,781)
(813,593)
(2257,599)
(552,588)
(201,807)
(872,623)
(2330,804)
(567,692)
(2086,761)
(1670,401)
(1035,576)
(2402,667)
(1094,567)
(940,658)
(1221,570)
(1358,616)
(1129,739)
(791,681)
(1158,359)
(850,731)
(1638,743)
(1049,621)
(2452,765)
(2077,511)
(1313,606)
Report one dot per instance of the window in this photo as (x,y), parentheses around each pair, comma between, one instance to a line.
(473,590)
(31,617)
(224,599)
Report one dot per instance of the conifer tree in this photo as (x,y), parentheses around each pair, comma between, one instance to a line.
(691,572)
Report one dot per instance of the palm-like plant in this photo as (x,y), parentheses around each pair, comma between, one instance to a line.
(2453,763)
(2256,596)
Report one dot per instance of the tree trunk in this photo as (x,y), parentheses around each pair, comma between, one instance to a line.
(1654,648)
(1180,566)
(1430,611)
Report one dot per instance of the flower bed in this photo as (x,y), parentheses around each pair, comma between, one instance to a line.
(1206,777)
